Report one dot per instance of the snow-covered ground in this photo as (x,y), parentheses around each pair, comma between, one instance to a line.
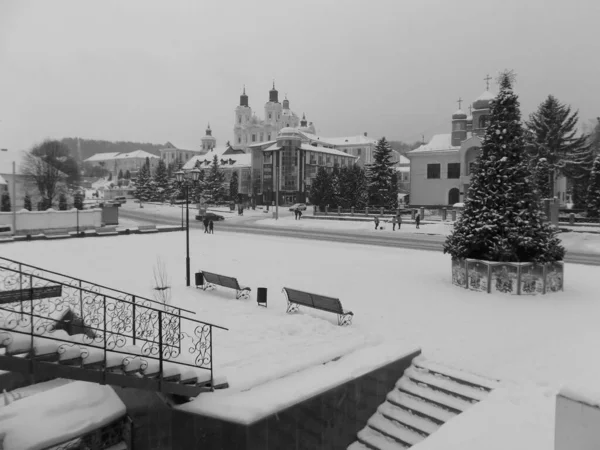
(533,344)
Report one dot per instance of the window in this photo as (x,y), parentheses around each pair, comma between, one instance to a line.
(239,140)
(269,115)
(433,171)
(453,170)
(262,137)
(483,121)
(358,150)
(269,137)
(254,138)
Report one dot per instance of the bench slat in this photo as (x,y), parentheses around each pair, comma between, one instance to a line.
(316,301)
(35,293)
(225,281)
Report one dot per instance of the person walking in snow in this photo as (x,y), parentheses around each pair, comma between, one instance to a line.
(376,220)
(296,214)
(399,222)
(211,227)
(299,214)
(394,220)
(205,222)
(418,220)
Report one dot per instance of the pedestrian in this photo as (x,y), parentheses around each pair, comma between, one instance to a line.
(399,221)
(205,222)
(418,220)
(376,220)
(299,214)
(394,220)
(211,227)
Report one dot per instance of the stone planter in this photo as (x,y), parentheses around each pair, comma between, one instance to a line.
(508,278)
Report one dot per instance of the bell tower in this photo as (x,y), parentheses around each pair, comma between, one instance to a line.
(243,113)
(273,109)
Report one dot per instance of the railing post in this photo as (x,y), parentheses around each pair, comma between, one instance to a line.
(212,379)
(105,331)
(21,288)
(81,301)
(160,355)
(133,318)
(31,351)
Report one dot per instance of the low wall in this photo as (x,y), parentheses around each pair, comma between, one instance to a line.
(33,221)
(577,421)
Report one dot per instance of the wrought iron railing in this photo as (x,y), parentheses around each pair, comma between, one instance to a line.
(83,284)
(107,325)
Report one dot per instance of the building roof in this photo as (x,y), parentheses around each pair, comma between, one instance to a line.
(102,157)
(403,160)
(328,151)
(2,180)
(260,144)
(361,139)
(438,143)
(135,154)
(233,160)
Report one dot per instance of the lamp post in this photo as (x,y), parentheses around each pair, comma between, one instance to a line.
(181,179)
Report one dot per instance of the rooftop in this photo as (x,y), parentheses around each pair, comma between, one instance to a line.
(233,160)
(6,159)
(438,143)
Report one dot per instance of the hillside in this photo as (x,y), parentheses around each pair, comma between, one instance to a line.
(90,147)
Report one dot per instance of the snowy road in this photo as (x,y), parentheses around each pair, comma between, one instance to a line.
(422,241)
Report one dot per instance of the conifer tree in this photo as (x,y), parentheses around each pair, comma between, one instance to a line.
(233,187)
(199,187)
(501,220)
(552,134)
(320,189)
(593,194)
(120,176)
(161,181)
(336,194)
(27,202)
(379,174)
(353,187)
(78,200)
(142,188)
(540,176)
(62,202)
(393,194)
(127,175)
(214,191)
(5,203)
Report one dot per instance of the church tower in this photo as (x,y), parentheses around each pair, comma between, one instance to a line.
(459,126)
(481,110)
(208,141)
(273,109)
(303,121)
(243,113)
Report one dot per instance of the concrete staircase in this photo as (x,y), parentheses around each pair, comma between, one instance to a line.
(426,397)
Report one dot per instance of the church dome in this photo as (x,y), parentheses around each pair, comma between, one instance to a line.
(483,101)
(459,114)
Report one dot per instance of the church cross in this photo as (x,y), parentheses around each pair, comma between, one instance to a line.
(487,82)
(459,101)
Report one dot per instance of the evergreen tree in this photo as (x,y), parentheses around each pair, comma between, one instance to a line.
(5,203)
(593,195)
(62,202)
(379,174)
(110,176)
(78,200)
(161,181)
(540,176)
(233,186)
(551,134)
(199,188)
(27,202)
(214,191)
(142,188)
(120,176)
(320,191)
(501,220)
(353,187)
(127,175)
(393,194)
(336,194)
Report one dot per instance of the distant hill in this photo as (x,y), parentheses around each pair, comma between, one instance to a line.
(90,147)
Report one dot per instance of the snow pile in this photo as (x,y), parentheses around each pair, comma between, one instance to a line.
(58,415)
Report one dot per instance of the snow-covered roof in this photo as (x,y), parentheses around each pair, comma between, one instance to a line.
(487,95)
(6,159)
(403,160)
(135,154)
(102,157)
(459,113)
(2,180)
(341,141)
(328,151)
(260,144)
(438,143)
(233,160)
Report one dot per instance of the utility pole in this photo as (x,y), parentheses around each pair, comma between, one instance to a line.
(14,197)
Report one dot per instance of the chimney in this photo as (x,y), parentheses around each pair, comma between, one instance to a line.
(365,134)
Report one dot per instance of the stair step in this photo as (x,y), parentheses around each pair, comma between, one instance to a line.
(446,385)
(413,421)
(374,439)
(458,375)
(437,414)
(357,445)
(394,430)
(454,404)
(47,357)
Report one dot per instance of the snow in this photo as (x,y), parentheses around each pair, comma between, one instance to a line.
(439,142)
(401,297)
(58,415)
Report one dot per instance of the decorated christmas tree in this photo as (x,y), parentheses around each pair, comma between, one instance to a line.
(501,220)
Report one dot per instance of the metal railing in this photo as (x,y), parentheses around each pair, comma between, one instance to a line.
(108,324)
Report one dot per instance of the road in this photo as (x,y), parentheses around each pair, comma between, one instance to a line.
(431,242)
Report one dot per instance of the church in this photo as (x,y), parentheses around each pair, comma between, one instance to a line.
(440,170)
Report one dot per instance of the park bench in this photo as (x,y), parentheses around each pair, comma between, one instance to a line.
(211,279)
(35,293)
(147,228)
(107,231)
(298,298)
(57,233)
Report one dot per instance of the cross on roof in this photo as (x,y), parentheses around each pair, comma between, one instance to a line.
(487,82)
(459,101)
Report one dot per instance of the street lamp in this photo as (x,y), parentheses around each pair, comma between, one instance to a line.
(181,179)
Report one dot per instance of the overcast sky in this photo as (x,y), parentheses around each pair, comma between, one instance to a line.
(155,71)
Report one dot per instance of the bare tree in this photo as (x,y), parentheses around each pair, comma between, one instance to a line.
(40,166)
(162,282)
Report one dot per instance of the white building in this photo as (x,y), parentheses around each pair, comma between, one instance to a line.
(116,162)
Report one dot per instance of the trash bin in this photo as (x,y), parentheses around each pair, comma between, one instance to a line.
(199,279)
(261,296)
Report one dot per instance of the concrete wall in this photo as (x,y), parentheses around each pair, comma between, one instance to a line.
(28,221)
(424,191)
(577,425)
